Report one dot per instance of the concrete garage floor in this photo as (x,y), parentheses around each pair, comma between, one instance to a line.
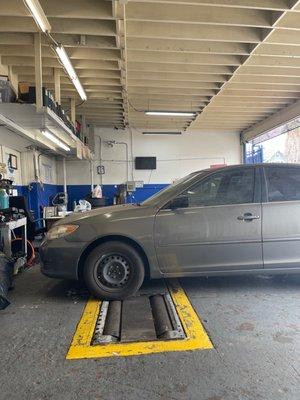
(254,323)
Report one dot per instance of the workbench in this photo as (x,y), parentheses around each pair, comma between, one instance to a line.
(49,221)
(6,234)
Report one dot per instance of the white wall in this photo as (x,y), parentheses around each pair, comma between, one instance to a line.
(176,155)
(11,173)
(48,169)
(12,143)
(78,172)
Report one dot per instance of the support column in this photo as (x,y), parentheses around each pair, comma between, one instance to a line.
(73,110)
(83,133)
(92,174)
(65,174)
(14,79)
(38,71)
(56,74)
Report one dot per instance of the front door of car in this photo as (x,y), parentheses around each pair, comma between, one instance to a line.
(214,225)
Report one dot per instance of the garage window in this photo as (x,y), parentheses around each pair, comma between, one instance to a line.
(227,187)
(283,183)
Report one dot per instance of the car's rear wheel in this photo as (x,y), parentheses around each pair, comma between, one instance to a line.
(114,270)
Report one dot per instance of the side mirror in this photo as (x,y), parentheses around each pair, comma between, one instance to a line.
(179,202)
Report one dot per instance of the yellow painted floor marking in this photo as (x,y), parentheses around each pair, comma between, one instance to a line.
(196,336)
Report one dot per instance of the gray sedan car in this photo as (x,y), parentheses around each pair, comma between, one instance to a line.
(237,219)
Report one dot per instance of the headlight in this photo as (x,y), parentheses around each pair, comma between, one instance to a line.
(61,231)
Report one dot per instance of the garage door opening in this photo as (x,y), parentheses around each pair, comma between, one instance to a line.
(279,145)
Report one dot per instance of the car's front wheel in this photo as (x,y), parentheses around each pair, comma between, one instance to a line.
(113,271)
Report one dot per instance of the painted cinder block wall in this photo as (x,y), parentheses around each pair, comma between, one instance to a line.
(177,155)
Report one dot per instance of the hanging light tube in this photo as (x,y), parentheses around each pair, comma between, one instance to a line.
(42,22)
(79,88)
(55,140)
(65,60)
(170,113)
(38,14)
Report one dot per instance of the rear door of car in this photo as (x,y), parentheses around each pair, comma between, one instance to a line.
(281,216)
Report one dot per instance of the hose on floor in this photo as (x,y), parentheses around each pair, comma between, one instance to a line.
(30,250)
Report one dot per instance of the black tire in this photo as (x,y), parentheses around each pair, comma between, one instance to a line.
(114,271)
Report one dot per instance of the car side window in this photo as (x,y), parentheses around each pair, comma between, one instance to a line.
(224,187)
(283,183)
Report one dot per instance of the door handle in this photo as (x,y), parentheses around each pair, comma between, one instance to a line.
(248,217)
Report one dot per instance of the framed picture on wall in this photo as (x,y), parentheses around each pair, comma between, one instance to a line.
(12,161)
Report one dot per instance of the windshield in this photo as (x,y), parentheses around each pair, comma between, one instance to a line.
(164,193)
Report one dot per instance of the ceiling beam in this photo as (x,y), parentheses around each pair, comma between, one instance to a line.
(172,84)
(269,71)
(71,40)
(73,53)
(276,5)
(197,14)
(90,89)
(173,76)
(183,58)
(180,68)
(265,61)
(187,46)
(278,50)
(266,79)
(170,98)
(235,102)
(284,36)
(93,96)
(59,25)
(259,93)
(170,91)
(52,62)
(265,87)
(225,92)
(82,73)
(64,79)
(91,9)
(157,30)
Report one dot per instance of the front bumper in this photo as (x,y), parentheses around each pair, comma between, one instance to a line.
(60,258)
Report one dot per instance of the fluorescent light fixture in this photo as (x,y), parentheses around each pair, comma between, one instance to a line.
(161,133)
(64,58)
(79,88)
(55,140)
(170,113)
(38,15)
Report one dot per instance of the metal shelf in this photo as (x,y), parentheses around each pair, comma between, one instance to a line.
(25,120)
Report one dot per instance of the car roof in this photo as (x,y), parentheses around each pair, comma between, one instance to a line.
(283,165)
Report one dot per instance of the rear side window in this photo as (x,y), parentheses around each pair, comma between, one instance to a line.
(283,183)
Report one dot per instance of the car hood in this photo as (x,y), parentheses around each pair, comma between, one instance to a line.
(81,216)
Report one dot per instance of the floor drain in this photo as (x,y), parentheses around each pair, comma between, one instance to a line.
(141,318)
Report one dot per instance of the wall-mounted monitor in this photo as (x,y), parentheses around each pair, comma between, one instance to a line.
(145,162)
